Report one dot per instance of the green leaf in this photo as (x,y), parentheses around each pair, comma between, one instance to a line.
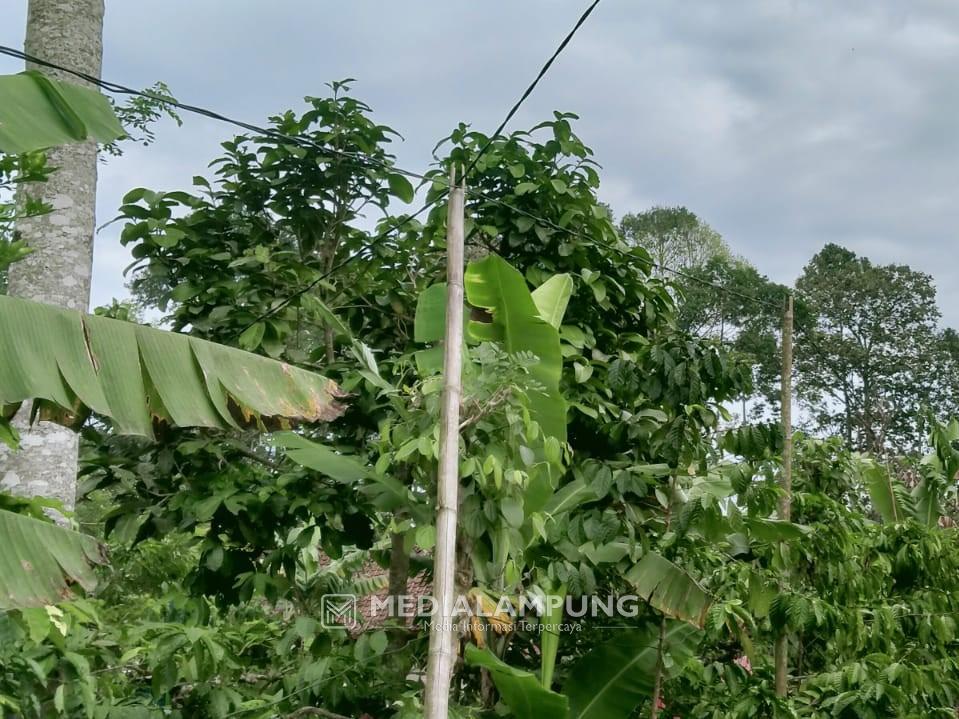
(494,285)
(364,355)
(569,497)
(37,112)
(611,552)
(184,292)
(317,305)
(387,493)
(429,361)
(170,237)
(41,559)
(582,372)
(887,493)
(322,459)
(774,530)
(552,297)
(400,187)
(520,690)
(252,336)
(512,510)
(425,537)
(9,434)
(926,496)
(549,636)
(429,323)
(135,374)
(378,642)
(615,678)
(38,623)
(669,589)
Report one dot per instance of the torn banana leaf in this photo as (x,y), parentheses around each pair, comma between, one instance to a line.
(41,561)
(135,375)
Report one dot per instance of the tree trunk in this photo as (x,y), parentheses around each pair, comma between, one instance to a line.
(781,647)
(658,680)
(58,272)
(399,567)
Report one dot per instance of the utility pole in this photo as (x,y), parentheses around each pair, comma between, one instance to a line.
(442,636)
(785,479)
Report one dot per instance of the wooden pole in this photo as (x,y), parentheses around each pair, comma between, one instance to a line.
(785,481)
(442,635)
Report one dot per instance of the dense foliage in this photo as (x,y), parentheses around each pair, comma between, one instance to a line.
(598,457)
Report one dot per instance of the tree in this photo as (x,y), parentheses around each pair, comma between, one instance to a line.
(58,269)
(138,379)
(674,237)
(712,291)
(727,299)
(590,465)
(870,356)
(635,390)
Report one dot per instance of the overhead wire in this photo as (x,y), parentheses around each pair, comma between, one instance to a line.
(465,174)
(269,132)
(532,86)
(301,140)
(119,89)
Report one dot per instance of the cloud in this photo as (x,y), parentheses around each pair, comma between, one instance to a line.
(784,124)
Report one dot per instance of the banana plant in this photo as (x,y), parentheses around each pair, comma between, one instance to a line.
(669,589)
(890,498)
(608,683)
(136,377)
(518,320)
(939,470)
(549,639)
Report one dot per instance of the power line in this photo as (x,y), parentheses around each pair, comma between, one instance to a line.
(119,89)
(496,133)
(305,141)
(302,140)
(532,86)
(270,132)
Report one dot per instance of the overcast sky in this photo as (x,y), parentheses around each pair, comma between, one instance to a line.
(783,124)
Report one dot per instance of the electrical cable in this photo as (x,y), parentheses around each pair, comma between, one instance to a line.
(305,141)
(532,86)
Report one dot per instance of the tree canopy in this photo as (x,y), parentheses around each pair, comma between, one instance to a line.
(237,488)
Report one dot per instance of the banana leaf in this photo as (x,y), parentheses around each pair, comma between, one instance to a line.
(137,375)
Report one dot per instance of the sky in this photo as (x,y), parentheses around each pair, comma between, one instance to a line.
(783,124)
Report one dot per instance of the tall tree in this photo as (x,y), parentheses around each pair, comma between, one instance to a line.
(729,300)
(677,238)
(870,354)
(674,236)
(58,271)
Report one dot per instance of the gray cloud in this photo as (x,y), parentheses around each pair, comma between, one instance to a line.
(784,124)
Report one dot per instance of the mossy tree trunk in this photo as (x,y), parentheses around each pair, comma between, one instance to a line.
(69,33)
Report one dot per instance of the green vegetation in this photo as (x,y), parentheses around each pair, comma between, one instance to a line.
(228,486)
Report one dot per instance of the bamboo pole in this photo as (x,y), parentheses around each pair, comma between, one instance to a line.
(442,636)
(781,657)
